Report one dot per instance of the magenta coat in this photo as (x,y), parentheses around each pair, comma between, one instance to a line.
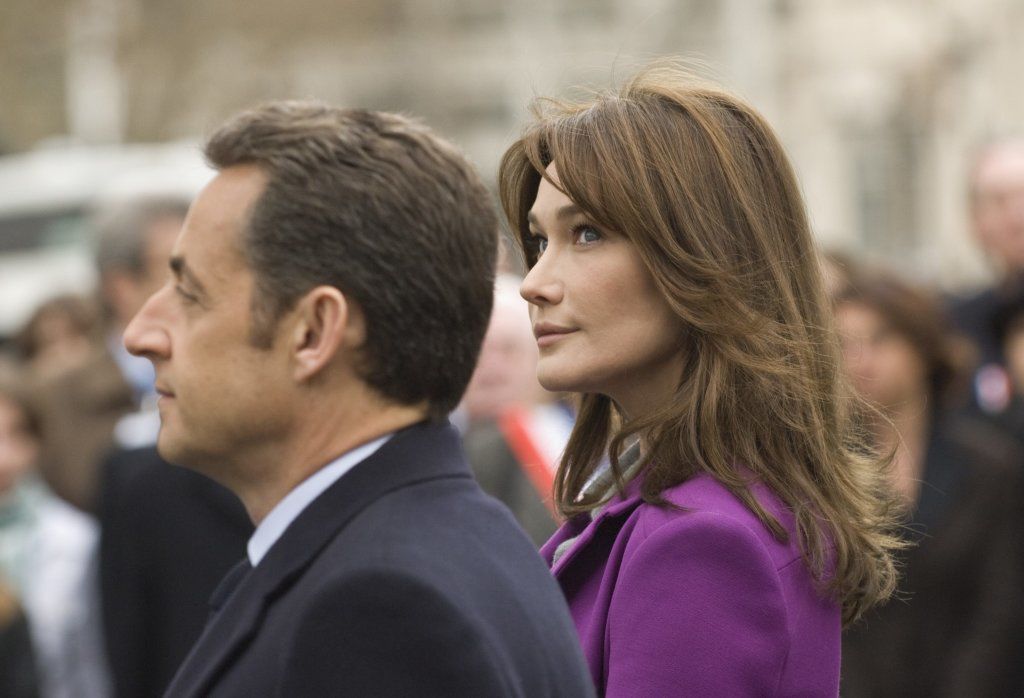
(703,602)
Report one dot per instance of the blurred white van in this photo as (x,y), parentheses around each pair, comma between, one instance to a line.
(46,199)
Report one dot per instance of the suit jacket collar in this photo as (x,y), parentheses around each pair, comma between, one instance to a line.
(424,451)
(421,452)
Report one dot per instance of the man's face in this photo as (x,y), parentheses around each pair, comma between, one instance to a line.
(998,205)
(221,398)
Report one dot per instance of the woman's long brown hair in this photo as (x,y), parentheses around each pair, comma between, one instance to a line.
(700,185)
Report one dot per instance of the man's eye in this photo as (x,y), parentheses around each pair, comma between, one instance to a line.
(185,295)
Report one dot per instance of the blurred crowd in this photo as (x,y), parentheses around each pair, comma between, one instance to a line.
(108,554)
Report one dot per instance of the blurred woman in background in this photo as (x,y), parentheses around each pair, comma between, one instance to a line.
(674,283)
(47,556)
(58,336)
(957,629)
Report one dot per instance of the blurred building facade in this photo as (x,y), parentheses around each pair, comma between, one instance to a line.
(879,103)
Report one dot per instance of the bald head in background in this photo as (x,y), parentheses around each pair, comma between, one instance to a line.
(997,203)
(506,374)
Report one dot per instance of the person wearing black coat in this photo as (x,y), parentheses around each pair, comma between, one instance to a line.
(167,537)
(956,624)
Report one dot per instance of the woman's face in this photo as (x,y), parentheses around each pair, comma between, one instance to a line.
(601,324)
(882,364)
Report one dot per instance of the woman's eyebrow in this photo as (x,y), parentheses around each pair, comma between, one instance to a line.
(563,212)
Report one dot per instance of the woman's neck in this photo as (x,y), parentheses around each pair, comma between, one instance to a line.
(906,435)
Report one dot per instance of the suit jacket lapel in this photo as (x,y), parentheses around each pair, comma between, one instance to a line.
(424,451)
(225,635)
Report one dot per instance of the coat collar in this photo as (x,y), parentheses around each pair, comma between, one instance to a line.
(424,451)
(584,527)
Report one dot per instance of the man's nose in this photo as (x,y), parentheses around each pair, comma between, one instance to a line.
(146,334)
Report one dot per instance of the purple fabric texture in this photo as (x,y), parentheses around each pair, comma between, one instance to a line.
(701,602)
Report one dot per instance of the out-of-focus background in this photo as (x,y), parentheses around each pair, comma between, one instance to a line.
(878,102)
(884,107)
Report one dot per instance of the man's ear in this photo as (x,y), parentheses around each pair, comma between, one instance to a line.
(327,324)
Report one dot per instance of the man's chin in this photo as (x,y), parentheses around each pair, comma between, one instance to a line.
(177,452)
(174,451)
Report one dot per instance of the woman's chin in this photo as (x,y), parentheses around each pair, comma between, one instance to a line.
(556,382)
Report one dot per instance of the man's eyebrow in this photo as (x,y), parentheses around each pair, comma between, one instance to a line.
(182,270)
(567,211)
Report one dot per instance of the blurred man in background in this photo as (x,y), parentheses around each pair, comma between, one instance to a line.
(996,191)
(83,404)
(102,423)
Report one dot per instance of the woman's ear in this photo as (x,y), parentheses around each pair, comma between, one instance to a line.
(327,326)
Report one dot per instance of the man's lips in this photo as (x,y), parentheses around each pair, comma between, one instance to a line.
(164,392)
(548,333)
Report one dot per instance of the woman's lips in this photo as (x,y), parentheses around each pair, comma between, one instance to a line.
(550,334)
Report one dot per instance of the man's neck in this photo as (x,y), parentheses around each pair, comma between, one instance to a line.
(315,442)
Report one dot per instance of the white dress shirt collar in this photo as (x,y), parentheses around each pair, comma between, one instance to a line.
(293,504)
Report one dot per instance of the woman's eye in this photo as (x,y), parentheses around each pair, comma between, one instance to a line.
(586,234)
(538,244)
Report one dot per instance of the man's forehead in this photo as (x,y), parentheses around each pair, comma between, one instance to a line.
(207,259)
(229,197)
(209,243)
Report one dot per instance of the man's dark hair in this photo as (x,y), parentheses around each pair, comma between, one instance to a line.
(379,207)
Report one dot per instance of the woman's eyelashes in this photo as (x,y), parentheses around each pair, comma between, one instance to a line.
(579,234)
(585,234)
(536,244)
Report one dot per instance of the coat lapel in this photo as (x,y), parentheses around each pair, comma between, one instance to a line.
(425,451)
(620,507)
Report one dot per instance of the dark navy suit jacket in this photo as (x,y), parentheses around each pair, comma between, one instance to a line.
(402,579)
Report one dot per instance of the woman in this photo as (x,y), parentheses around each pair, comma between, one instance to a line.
(959,628)
(673,281)
(46,548)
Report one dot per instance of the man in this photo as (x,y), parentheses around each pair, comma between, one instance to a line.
(331,288)
(83,404)
(997,222)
